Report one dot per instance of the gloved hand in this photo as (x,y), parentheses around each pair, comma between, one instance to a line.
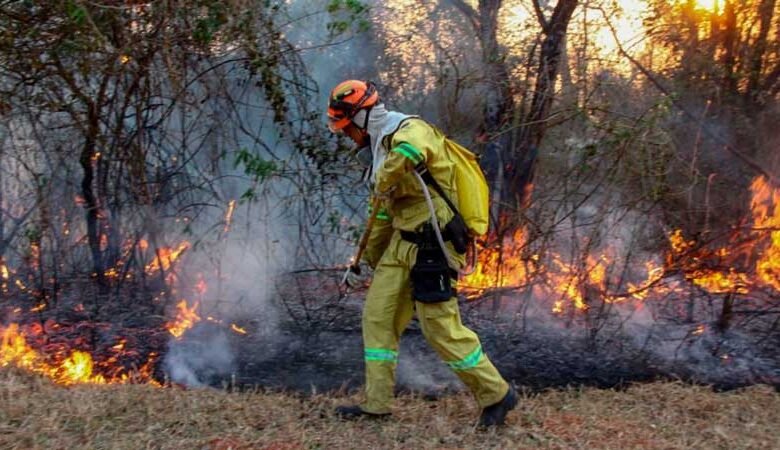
(354,277)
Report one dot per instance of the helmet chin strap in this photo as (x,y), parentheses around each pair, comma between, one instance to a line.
(365,121)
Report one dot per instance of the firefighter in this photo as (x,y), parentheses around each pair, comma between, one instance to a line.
(398,143)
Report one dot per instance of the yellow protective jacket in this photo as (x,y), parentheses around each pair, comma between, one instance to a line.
(403,205)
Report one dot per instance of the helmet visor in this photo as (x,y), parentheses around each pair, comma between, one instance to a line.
(337,120)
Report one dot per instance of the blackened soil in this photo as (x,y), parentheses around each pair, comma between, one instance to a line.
(534,358)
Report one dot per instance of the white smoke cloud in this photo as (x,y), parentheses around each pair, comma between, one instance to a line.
(239,272)
(196,362)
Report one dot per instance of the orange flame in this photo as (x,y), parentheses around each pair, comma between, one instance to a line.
(766,216)
(76,368)
(764,241)
(237,329)
(166,256)
(4,275)
(569,281)
(186,318)
(503,267)
(229,215)
(720,282)
(35,256)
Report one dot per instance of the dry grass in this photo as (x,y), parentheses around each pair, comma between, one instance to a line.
(36,414)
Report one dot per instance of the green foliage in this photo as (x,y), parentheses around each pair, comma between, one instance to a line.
(254,166)
(257,168)
(248,196)
(206,27)
(76,13)
(267,65)
(33,234)
(348,14)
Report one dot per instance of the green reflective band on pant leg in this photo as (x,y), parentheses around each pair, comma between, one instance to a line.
(409,152)
(468,362)
(454,342)
(380,354)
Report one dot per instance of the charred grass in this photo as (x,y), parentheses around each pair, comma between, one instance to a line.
(36,414)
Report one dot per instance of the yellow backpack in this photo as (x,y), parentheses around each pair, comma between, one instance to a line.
(472,187)
(470,183)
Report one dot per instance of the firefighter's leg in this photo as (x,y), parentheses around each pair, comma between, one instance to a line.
(461,350)
(386,313)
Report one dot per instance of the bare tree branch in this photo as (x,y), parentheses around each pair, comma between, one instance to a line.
(540,16)
(469,12)
(650,76)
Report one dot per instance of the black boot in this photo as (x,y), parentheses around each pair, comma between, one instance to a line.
(495,414)
(355,412)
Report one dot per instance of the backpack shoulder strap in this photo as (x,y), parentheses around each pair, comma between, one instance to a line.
(426,175)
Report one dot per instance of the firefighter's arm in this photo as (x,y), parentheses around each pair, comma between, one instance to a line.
(379,237)
(402,158)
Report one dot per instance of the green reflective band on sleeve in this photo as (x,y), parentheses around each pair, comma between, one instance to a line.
(468,362)
(380,354)
(381,215)
(414,155)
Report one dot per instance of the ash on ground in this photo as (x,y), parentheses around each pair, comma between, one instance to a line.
(535,353)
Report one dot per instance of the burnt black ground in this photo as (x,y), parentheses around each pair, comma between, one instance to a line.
(537,358)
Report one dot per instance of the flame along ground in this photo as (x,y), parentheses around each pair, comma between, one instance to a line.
(76,367)
(748,263)
(718,270)
(66,366)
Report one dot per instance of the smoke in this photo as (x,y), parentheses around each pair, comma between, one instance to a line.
(699,351)
(421,370)
(204,357)
(234,285)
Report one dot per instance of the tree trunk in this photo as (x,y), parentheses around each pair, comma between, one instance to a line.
(499,103)
(726,313)
(729,45)
(2,190)
(753,96)
(690,50)
(90,202)
(521,168)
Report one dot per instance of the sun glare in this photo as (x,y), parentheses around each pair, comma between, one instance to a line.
(709,5)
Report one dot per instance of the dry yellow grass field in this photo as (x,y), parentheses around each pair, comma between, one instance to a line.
(36,414)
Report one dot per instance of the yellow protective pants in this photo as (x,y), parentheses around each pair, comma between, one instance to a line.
(387,312)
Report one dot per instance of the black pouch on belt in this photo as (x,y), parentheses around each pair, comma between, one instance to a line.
(458,234)
(431,275)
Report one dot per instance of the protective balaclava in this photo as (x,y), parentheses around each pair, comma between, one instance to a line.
(381,123)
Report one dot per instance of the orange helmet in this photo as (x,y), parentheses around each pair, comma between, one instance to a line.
(347,99)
